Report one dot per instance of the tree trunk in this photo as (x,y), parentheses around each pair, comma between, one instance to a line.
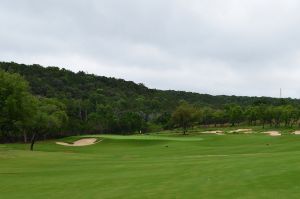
(80,113)
(32,141)
(25,136)
(184,130)
(86,115)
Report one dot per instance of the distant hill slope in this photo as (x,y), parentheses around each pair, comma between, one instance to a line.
(62,83)
(97,104)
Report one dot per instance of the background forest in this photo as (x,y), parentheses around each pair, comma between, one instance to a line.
(55,102)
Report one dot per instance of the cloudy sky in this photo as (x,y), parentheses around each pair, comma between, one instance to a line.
(233,47)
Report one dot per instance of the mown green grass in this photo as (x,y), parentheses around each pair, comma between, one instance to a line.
(155,166)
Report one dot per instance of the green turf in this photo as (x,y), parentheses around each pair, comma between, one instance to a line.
(155,166)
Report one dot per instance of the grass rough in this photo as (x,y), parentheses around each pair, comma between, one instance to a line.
(163,165)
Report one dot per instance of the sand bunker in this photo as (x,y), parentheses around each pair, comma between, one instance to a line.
(296,132)
(241,131)
(81,142)
(273,133)
(214,132)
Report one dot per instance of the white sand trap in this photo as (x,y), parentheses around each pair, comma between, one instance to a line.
(241,131)
(272,133)
(214,132)
(296,132)
(81,142)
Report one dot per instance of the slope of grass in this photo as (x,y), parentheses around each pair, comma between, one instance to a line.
(155,166)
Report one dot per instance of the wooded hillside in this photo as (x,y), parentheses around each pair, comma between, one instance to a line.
(97,104)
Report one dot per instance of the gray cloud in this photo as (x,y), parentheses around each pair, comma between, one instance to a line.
(207,46)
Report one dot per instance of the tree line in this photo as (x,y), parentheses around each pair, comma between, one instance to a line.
(41,103)
(187,115)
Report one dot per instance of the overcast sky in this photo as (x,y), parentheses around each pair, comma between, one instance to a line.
(233,47)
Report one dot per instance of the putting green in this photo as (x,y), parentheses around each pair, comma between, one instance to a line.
(154,166)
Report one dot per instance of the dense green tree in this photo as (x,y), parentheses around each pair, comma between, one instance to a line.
(184,116)
(103,119)
(207,116)
(50,116)
(234,113)
(265,114)
(164,120)
(252,114)
(287,114)
(219,117)
(29,110)
(16,104)
(131,122)
(295,115)
(277,115)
